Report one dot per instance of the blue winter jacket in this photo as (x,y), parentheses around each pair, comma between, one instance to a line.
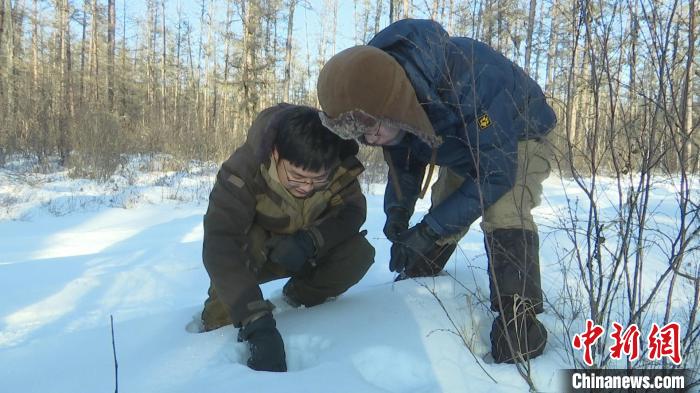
(480,103)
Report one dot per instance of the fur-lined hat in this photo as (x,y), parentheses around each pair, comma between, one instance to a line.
(368,79)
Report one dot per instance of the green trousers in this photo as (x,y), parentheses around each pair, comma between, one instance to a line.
(335,272)
(512,210)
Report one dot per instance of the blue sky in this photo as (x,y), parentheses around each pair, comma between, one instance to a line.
(307,20)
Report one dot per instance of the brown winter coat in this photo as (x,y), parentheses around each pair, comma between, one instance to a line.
(246,194)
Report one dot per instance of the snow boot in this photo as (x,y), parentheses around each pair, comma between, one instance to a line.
(514,269)
(516,334)
(516,294)
(265,343)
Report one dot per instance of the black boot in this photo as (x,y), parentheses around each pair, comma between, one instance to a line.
(265,343)
(514,266)
(518,326)
(514,275)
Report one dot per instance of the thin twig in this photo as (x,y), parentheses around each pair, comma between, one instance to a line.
(454,325)
(114,352)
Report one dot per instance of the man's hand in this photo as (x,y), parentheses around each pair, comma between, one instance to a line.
(411,247)
(293,251)
(396,222)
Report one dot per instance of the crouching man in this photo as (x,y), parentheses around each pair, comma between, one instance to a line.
(287,203)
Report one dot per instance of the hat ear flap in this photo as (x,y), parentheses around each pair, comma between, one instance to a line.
(344,125)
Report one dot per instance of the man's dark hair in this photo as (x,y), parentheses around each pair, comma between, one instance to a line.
(306,143)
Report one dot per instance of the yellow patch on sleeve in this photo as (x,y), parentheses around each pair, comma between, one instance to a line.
(484,121)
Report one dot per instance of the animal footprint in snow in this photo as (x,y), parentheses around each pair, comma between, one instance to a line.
(195,325)
(392,369)
(303,351)
(237,352)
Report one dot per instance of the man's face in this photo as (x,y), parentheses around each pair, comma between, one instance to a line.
(364,127)
(299,182)
(384,134)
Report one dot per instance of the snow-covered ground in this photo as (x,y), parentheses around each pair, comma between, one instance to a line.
(75,252)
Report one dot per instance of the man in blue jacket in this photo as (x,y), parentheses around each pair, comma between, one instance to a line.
(430,99)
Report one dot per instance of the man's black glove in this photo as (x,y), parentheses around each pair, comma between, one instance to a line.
(396,222)
(411,247)
(293,251)
(265,343)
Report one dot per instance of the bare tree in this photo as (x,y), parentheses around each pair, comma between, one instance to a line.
(94,52)
(83,41)
(251,18)
(288,50)
(6,65)
(378,15)
(613,283)
(60,66)
(163,66)
(553,45)
(111,47)
(530,30)
(686,103)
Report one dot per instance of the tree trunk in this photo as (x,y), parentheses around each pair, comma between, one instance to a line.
(200,109)
(288,51)
(61,94)
(686,104)
(211,73)
(634,39)
(83,42)
(450,15)
(572,87)
(500,21)
(178,74)
(163,69)
(530,29)
(365,22)
(552,51)
(6,65)
(6,53)
(94,53)
(123,56)
(226,91)
(150,52)
(68,86)
(378,16)
(35,47)
(486,13)
(111,23)
(539,50)
(251,22)
(334,25)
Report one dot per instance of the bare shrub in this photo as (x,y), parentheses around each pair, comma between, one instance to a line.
(96,153)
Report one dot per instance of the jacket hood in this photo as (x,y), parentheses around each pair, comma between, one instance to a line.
(368,79)
(457,78)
